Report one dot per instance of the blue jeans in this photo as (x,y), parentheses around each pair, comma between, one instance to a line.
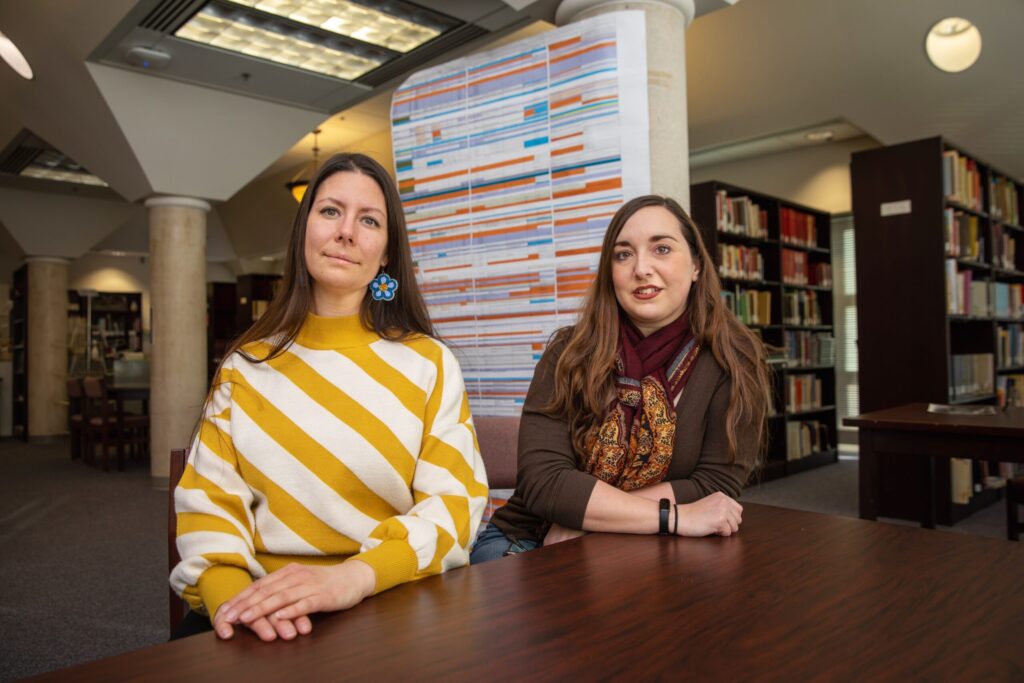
(492,544)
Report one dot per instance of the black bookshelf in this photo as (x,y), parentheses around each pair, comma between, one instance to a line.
(775,242)
(19,354)
(254,293)
(909,328)
(221,321)
(116,322)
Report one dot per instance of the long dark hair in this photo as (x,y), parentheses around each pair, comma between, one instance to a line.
(406,315)
(584,375)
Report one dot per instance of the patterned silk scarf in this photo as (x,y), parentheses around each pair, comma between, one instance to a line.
(632,447)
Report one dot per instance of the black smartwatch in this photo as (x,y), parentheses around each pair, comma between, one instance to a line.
(663,506)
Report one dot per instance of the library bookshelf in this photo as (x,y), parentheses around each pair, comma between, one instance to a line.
(775,261)
(940,301)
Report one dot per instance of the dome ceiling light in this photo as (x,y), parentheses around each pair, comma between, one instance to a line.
(12,55)
(953,44)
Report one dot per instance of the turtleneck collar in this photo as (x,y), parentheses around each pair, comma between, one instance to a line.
(334,333)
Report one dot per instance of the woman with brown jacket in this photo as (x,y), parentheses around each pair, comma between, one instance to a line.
(648,415)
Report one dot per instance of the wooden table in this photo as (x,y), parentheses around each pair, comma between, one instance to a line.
(794,596)
(911,431)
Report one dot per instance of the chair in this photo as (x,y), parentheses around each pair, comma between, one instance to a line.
(1014,499)
(499,438)
(179,456)
(108,426)
(76,416)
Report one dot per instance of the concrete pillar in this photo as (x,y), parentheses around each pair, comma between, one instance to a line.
(47,346)
(177,247)
(666,22)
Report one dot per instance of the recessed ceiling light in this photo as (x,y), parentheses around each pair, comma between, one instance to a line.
(276,43)
(343,39)
(820,135)
(356,20)
(12,55)
(953,44)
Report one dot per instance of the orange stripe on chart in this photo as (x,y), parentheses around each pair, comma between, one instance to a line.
(596,186)
(581,250)
(531,257)
(567,150)
(566,137)
(501,164)
(431,178)
(503,74)
(613,202)
(432,93)
(564,43)
(567,101)
(589,48)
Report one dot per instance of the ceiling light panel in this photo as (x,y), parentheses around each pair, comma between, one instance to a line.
(61,175)
(362,22)
(277,40)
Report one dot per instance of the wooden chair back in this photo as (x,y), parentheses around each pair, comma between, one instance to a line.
(179,456)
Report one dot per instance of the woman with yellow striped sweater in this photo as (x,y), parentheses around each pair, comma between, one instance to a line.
(336,457)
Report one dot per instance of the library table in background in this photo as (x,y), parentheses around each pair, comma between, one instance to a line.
(911,431)
(793,596)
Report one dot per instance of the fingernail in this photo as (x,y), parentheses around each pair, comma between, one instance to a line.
(229,615)
(246,615)
(224,633)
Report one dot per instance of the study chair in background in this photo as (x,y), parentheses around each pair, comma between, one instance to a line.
(498,438)
(179,456)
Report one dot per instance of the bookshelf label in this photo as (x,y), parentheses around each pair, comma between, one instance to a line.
(896,208)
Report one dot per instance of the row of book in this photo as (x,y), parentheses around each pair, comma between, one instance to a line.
(740,216)
(797,227)
(967,296)
(1003,201)
(806,438)
(801,308)
(803,393)
(750,306)
(967,477)
(1004,248)
(961,180)
(1009,346)
(805,348)
(973,374)
(964,294)
(741,263)
(962,234)
(1010,391)
(798,269)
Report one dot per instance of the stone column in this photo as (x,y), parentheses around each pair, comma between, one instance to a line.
(47,346)
(666,22)
(177,247)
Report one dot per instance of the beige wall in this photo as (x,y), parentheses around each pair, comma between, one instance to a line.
(817,176)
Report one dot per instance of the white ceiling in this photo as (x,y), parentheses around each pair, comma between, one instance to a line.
(757,69)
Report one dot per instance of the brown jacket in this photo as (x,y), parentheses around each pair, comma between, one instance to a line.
(551,488)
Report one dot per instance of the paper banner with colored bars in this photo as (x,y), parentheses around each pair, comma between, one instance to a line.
(510,164)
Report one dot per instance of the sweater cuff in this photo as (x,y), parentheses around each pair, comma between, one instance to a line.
(220,583)
(569,504)
(686,491)
(393,562)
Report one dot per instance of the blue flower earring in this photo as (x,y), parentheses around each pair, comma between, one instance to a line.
(383,287)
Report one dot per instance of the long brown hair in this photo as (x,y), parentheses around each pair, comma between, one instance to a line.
(398,319)
(584,375)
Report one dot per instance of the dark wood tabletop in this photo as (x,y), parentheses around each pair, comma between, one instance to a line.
(915,417)
(794,596)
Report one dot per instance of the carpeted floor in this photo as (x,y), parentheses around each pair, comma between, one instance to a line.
(83,559)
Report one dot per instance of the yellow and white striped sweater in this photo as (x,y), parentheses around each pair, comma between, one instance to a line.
(347,445)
